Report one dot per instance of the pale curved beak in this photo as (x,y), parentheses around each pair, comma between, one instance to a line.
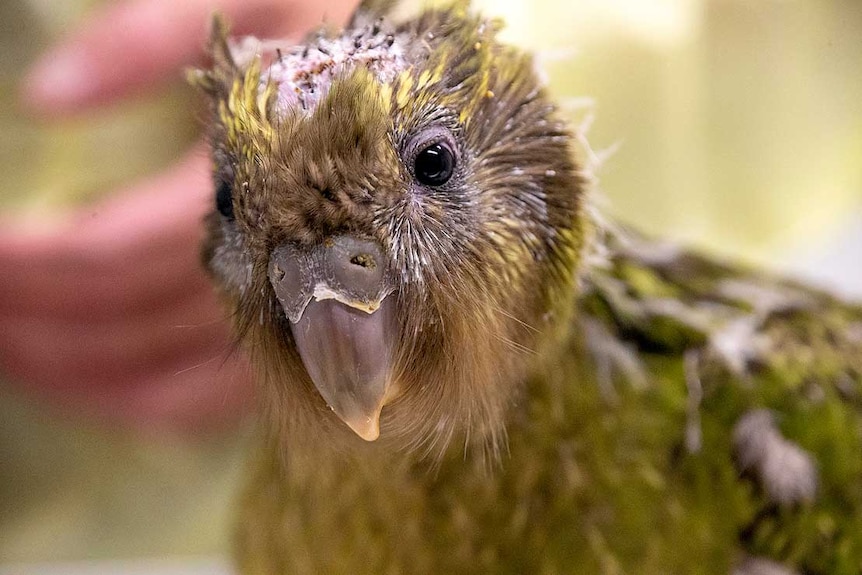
(335,297)
(348,357)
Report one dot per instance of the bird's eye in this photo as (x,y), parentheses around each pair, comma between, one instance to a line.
(224,200)
(434,165)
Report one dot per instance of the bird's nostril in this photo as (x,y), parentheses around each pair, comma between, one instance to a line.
(356,267)
(364,260)
(288,269)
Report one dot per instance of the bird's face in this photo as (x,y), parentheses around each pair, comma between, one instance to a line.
(396,224)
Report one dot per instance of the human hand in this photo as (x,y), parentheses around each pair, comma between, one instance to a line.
(105,309)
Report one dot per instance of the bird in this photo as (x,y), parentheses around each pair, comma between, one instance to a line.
(465,367)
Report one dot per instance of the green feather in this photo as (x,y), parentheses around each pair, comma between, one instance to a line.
(580,399)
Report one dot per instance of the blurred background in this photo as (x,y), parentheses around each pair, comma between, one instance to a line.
(737,126)
(739,122)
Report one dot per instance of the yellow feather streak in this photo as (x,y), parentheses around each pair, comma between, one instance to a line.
(245,114)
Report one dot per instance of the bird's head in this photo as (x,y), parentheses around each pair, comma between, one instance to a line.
(396,224)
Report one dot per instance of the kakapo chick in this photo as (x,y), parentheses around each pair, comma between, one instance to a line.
(465,371)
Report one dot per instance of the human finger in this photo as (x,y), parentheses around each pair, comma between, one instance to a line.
(121,256)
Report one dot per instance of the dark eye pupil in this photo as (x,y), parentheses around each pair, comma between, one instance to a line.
(434,165)
(224,201)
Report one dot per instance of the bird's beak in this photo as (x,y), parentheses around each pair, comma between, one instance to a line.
(343,324)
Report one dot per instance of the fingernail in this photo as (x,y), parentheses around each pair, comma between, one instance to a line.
(60,79)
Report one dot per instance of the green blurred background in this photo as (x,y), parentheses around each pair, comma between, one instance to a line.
(739,125)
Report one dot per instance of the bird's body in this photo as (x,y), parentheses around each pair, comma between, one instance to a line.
(506,385)
(623,453)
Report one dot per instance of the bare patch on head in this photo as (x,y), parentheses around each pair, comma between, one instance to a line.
(303,74)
